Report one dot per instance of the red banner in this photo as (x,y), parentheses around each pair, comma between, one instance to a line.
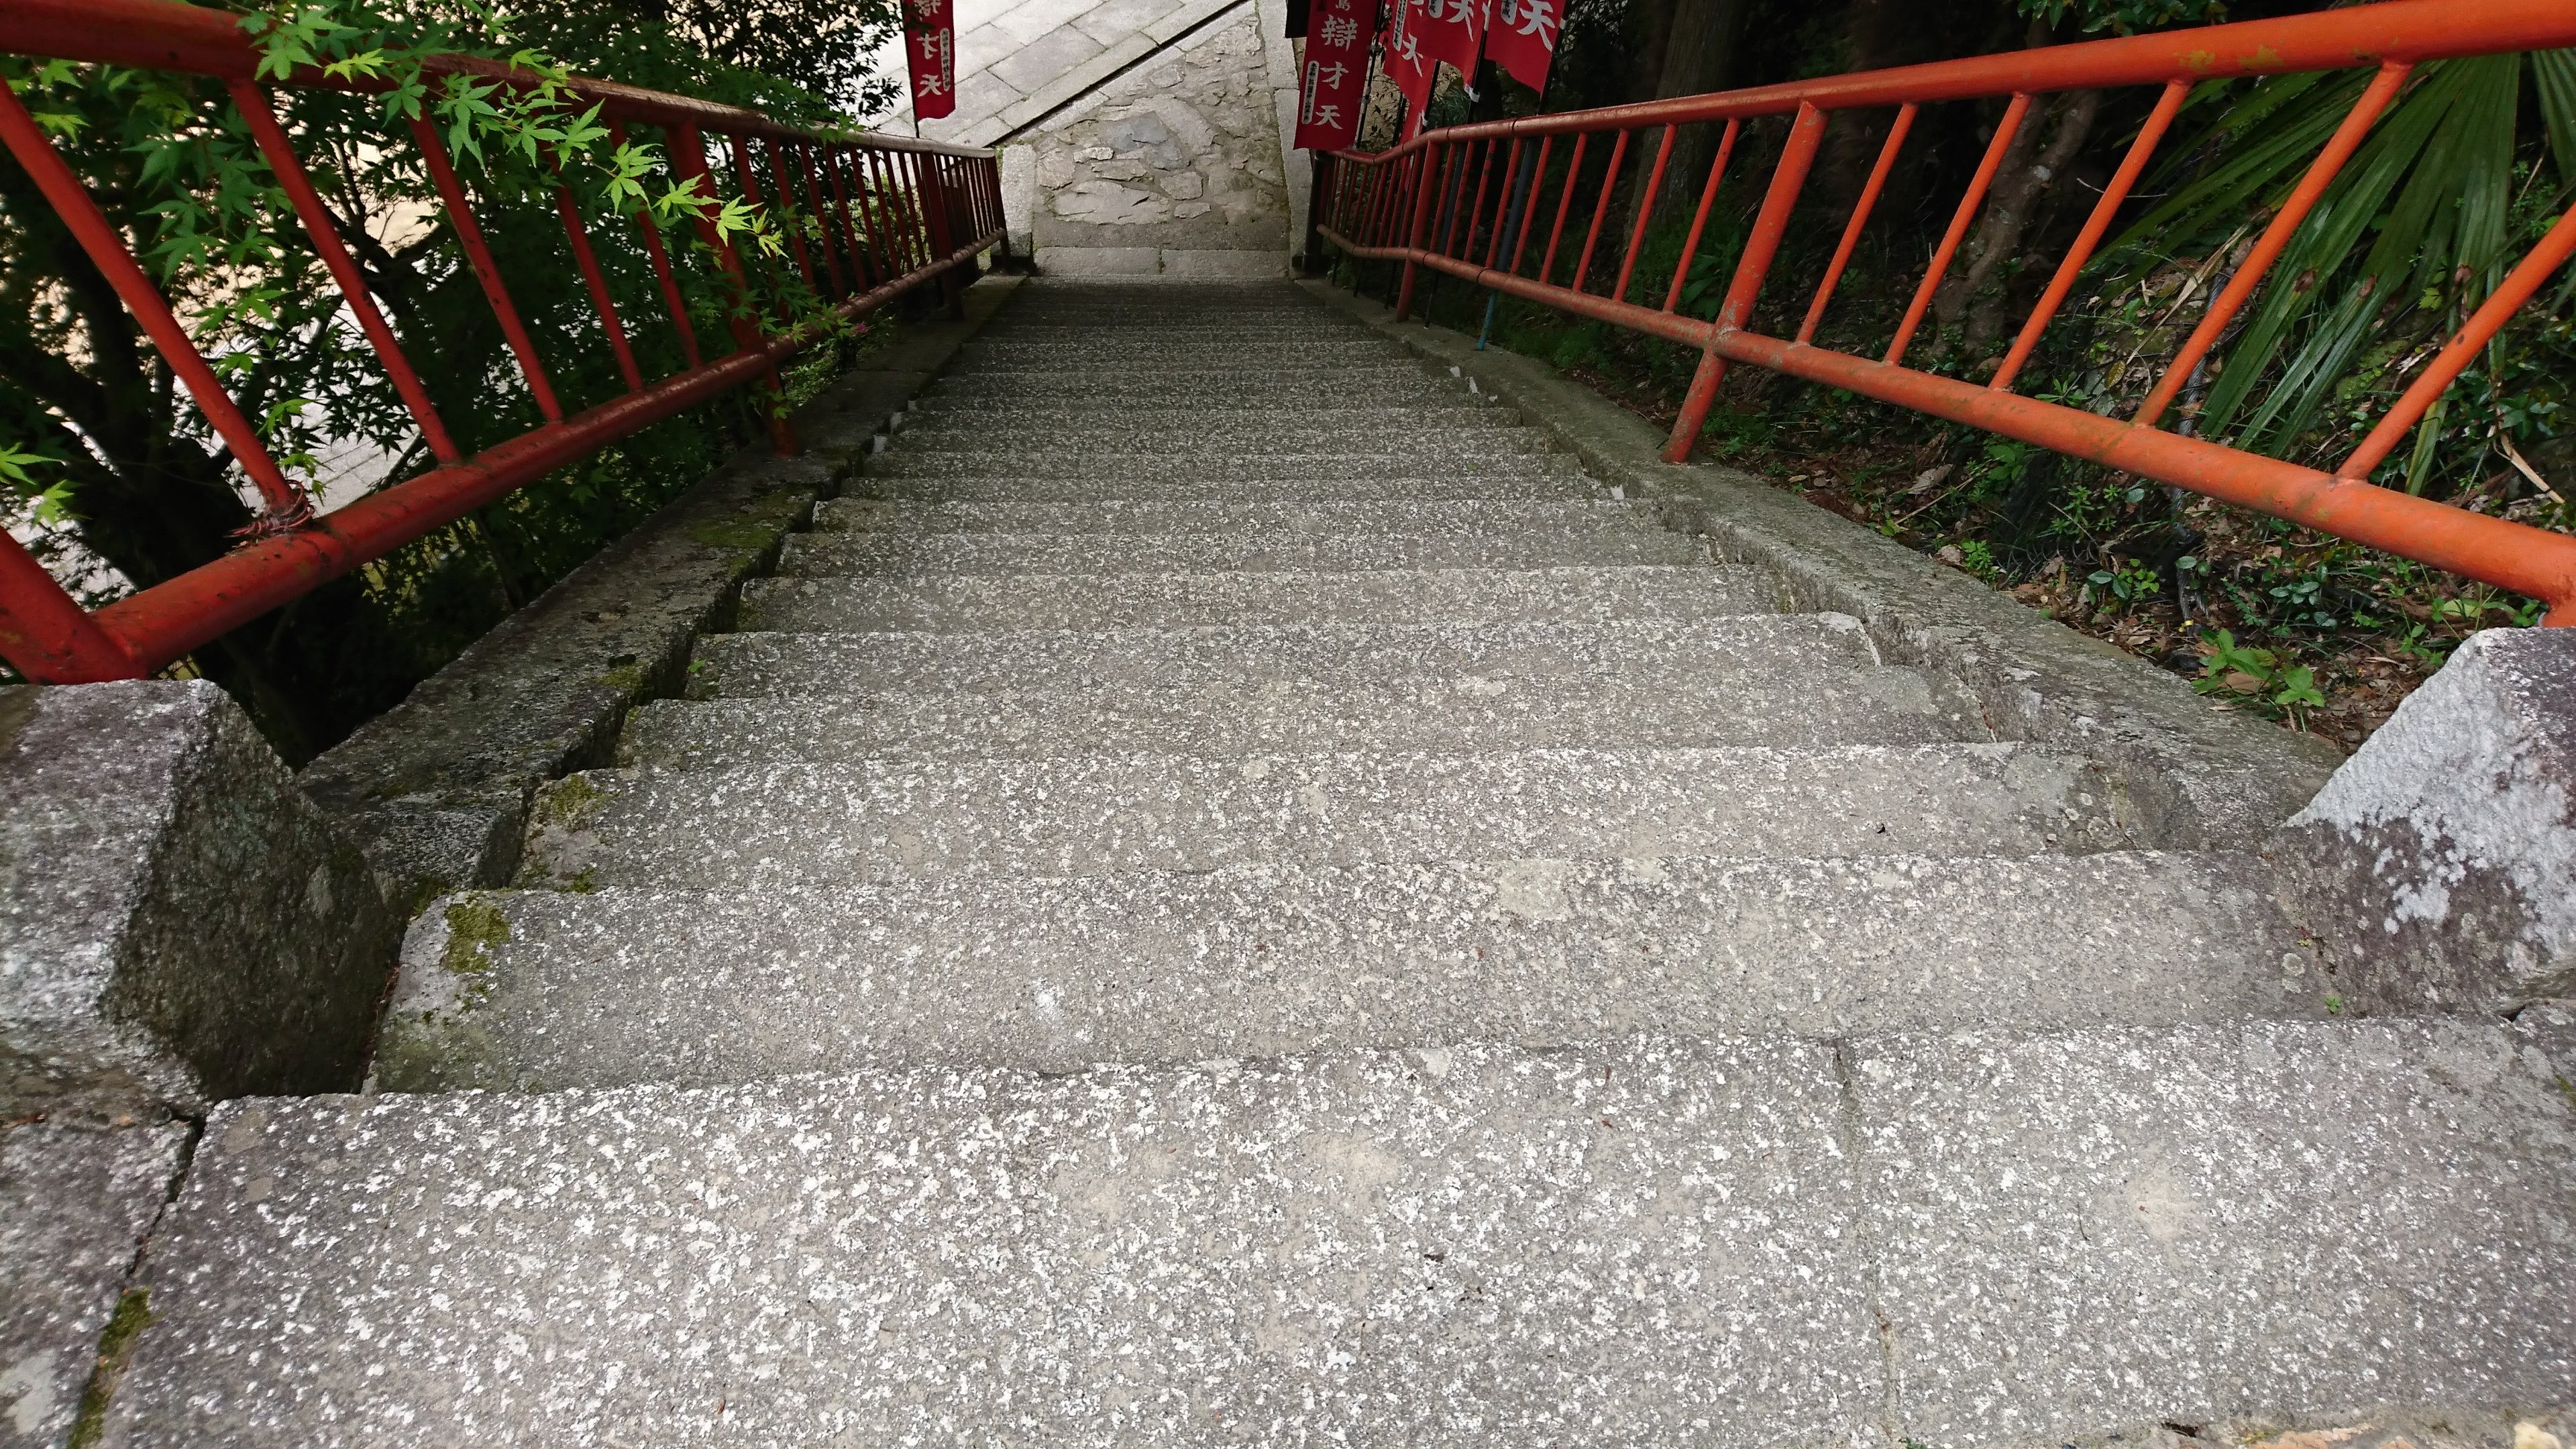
(1335,83)
(1453,30)
(1522,39)
(930,54)
(1407,64)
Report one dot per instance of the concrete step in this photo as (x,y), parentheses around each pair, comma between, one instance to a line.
(1356,382)
(1115,474)
(982,480)
(1737,1244)
(764,826)
(1789,702)
(1469,428)
(1478,657)
(546,990)
(963,604)
(1528,518)
(1418,397)
(908,555)
(1094,353)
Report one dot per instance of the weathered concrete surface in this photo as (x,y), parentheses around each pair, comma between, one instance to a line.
(1003,661)
(74,1206)
(2455,826)
(1822,703)
(542,990)
(2226,778)
(889,555)
(436,789)
(1989,1241)
(177,923)
(1558,518)
(2270,1220)
(763,825)
(1630,1243)
(975,604)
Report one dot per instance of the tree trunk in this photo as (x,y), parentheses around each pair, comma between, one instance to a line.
(1700,53)
(2021,184)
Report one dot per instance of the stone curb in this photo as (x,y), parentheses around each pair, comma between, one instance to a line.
(436,789)
(2199,778)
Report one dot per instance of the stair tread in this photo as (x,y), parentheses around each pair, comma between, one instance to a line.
(820,555)
(643,984)
(1734,647)
(959,603)
(1328,518)
(1654,1239)
(751,827)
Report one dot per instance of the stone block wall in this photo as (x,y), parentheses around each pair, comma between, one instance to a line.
(1174,167)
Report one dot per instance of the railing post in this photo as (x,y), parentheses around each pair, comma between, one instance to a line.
(935,215)
(1311,260)
(1421,174)
(1769,226)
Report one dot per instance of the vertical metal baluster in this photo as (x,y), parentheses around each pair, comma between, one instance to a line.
(671,298)
(1699,219)
(1564,201)
(1601,209)
(53,176)
(2347,139)
(460,215)
(2131,166)
(1859,218)
(1787,179)
(252,101)
(1958,232)
(1645,211)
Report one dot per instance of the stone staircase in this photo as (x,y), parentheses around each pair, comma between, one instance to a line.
(1227,892)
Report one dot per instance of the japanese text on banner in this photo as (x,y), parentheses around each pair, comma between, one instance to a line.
(1333,87)
(930,54)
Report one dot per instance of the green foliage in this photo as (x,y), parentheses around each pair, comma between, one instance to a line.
(2127,17)
(120,482)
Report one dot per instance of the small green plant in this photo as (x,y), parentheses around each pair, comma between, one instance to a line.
(2260,676)
(2125,583)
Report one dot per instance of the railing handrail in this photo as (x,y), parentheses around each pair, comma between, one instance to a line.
(2410,31)
(892,214)
(1405,204)
(161,35)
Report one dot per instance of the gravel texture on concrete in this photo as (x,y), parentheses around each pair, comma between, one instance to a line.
(899,555)
(542,990)
(974,603)
(75,1204)
(1632,1242)
(2266,1220)
(1122,473)
(759,826)
(1565,518)
(177,923)
(1831,704)
(1986,1241)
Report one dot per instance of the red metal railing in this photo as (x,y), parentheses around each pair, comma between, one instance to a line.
(1411,203)
(901,214)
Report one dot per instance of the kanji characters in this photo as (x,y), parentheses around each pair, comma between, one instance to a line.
(1537,17)
(1340,33)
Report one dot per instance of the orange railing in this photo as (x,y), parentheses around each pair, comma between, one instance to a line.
(885,215)
(1467,201)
